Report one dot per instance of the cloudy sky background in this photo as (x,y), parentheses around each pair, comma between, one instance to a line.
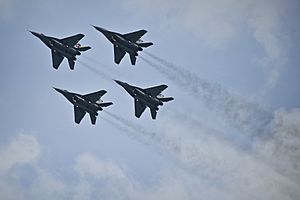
(232,132)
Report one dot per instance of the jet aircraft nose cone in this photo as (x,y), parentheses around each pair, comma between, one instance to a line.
(119,82)
(35,34)
(99,29)
(58,90)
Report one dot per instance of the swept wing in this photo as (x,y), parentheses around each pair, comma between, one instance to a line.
(79,114)
(72,40)
(95,96)
(57,58)
(139,108)
(93,119)
(153,113)
(119,54)
(71,63)
(135,36)
(156,90)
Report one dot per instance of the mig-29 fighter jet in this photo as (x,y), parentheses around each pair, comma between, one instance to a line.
(125,43)
(90,103)
(148,97)
(67,47)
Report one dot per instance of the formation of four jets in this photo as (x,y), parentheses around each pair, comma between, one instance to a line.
(91,103)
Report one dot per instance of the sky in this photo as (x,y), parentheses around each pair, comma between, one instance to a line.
(232,132)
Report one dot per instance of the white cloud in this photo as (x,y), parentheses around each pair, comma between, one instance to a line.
(112,182)
(95,177)
(265,21)
(241,174)
(89,165)
(210,167)
(46,186)
(23,149)
(213,21)
(217,23)
(225,169)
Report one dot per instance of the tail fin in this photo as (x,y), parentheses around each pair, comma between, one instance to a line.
(83,48)
(166,99)
(146,44)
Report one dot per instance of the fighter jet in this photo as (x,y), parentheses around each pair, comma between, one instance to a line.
(67,47)
(148,97)
(130,43)
(90,103)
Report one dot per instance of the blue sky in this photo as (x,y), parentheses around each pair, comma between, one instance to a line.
(232,131)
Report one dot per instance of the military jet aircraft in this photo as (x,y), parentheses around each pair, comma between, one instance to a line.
(67,47)
(90,103)
(130,43)
(148,97)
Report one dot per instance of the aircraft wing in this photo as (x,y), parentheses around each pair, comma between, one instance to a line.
(71,64)
(139,108)
(132,59)
(156,90)
(135,36)
(153,113)
(93,119)
(79,114)
(57,58)
(95,96)
(72,40)
(119,54)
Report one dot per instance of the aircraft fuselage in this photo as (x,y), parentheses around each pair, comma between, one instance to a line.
(65,50)
(147,99)
(128,46)
(86,105)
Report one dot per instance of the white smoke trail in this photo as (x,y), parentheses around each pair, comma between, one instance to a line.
(249,117)
(165,144)
(95,61)
(98,72)
(145,136)
(210,158)
(162,145)
(127,129)
(169,148)
(110,68)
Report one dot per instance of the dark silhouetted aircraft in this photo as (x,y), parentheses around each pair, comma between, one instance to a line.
(130,43)
(60,48)
(90,103)
(148,97)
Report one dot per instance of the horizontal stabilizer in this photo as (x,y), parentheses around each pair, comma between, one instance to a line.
(166,99)
(105,104)
(146,44)
(83,48)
